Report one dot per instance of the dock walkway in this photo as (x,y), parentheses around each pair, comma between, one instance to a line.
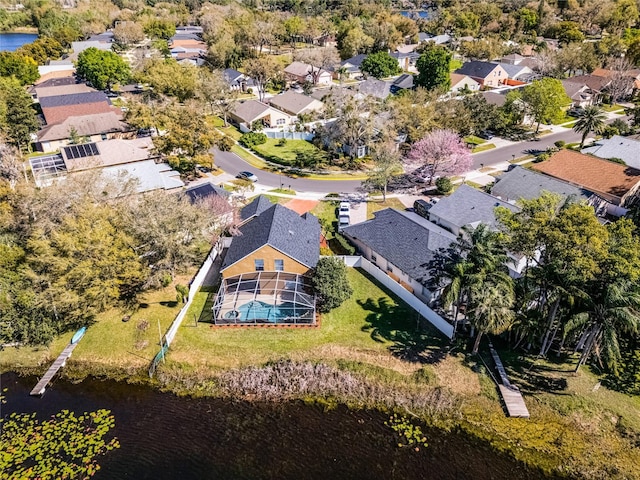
(510,393)
(53,369)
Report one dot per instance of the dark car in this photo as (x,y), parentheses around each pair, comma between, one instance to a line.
(248,176)
(486,135)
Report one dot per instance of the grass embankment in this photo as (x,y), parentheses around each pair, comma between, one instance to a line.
(110,345)
(483,148)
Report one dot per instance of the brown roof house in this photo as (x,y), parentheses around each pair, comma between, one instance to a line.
(296,103)
(487,74)
(246,113)
(303,72)
(461,82)
(58,108)
(100,126)
(616,183)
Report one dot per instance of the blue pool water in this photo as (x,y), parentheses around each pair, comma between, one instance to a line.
(12,41)
(256,310)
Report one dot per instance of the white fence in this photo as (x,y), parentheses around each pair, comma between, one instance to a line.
(195,284)
(414,302)
(289,135)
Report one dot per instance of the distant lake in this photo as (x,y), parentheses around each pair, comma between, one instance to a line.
(12,41)
(415,13)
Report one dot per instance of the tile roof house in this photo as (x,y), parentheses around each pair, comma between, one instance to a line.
(250,111)
(58,108)
(99,126)
(59,86)
(467,206)
(616,183)
(487,74)
(512,59)
(303,72)
(463,82)
(401,244)
(108,153)
(625,148)
(274,238)
(517,72)
(295,103)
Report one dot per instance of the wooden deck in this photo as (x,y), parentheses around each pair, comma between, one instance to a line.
(511,396)
(53,369)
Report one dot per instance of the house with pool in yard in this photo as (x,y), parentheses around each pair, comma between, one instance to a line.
(265,270)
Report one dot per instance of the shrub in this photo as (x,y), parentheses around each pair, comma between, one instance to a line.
(609,131)
(617,160)
(325,251)
(282,142)
(330,283)
(444,185)
(225,144)
(250,91)
(183,293)
(251,139)
(560,143)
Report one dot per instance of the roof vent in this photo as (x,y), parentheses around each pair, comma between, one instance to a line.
(291,233)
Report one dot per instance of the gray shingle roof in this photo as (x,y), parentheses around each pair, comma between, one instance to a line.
(256,207)
(468,206)
(292,102)
(375,88)
(405,239)
(624,148)
(522,183)
(296,236)
(356,61)
(74,99)
(477,69)
(205,190)
(403,81)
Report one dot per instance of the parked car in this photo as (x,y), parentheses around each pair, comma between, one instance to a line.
(422,207)
(345,208)
(486,135)
(247,176)
(343,221)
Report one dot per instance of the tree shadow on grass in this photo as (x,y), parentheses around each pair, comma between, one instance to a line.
(411,340)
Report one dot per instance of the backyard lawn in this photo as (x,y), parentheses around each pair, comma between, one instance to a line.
(109,341)
(371,327)
(284,154)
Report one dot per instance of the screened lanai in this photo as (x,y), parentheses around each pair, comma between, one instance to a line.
(265,298)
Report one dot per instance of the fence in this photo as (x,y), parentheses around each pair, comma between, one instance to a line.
(194,286)
(289,135)
(414,302)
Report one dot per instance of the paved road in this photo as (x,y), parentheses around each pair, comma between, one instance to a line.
(232,163)
(520,149)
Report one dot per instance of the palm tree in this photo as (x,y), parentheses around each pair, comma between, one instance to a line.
(491,306)
(616,311)
(591,119)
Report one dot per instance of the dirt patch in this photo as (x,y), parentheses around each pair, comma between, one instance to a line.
(301,206)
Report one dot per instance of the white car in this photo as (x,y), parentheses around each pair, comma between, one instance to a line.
(345,209)
(343,221)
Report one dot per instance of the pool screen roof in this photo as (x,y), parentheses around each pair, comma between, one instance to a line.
(265,298)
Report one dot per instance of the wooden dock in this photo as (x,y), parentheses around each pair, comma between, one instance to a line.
(53,369)
(511,395)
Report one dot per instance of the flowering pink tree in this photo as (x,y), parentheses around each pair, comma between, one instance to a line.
(440,152)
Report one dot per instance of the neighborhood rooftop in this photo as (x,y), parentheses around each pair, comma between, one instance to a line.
(405,239)
(468,206)
(597,175)
(281,228)
(522,183)
(625,148)
(74,99)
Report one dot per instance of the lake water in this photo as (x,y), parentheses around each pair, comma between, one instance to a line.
(12,41)
(423,14)
(163,436)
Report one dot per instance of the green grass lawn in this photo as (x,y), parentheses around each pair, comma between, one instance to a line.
(612,108)
(371,325)
(109,341)
(483,148)
(249,157)
(473,140)
(231,131)
(284,154)
(373,207)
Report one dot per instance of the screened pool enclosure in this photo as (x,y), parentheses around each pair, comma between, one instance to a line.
(265,298)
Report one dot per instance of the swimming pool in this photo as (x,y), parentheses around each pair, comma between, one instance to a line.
(266,312)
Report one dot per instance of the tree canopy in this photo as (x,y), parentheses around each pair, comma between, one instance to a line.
(102,68)
(433,68)
(380,65)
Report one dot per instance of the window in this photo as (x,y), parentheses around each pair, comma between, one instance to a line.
(373,258)
(279,265)
(259,264)
(280,121)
